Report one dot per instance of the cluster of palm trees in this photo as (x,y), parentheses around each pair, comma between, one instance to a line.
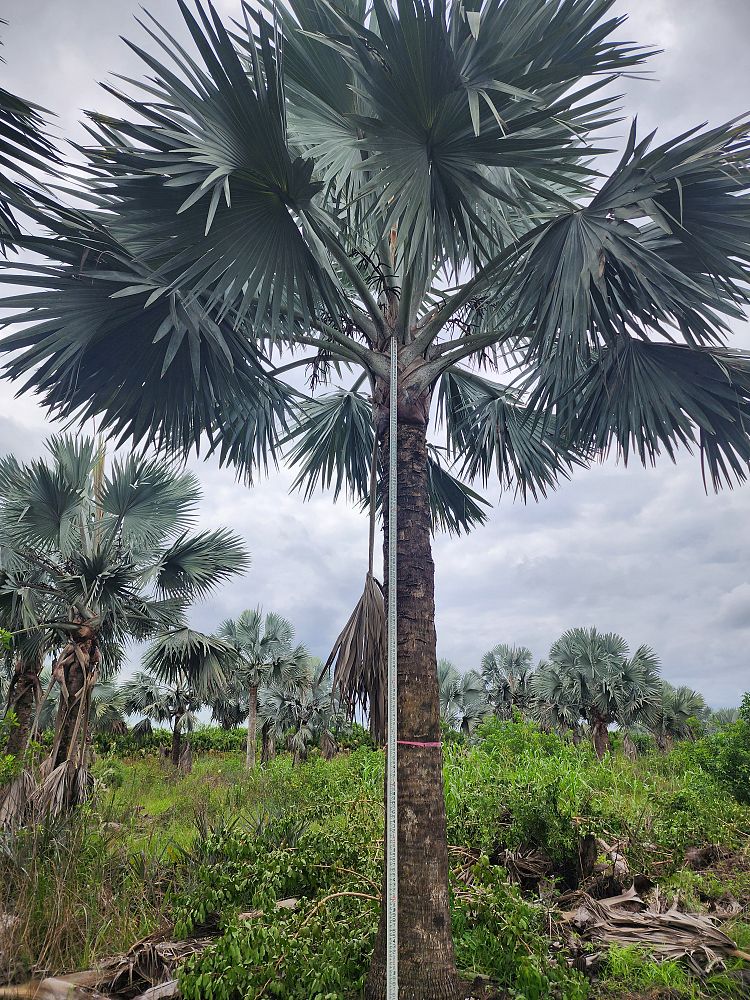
(588,683)
(93,555)
(251,671)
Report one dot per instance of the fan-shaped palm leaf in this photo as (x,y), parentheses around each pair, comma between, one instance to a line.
(507,673)
(24,150)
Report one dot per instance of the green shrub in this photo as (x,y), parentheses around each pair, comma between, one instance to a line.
(10,765)
(110,771)
(319,952)
(356,736)
(500,934)
(726,756)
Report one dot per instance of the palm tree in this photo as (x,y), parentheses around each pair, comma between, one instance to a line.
(554,702)
(674,712)
(24,602)
(463,699)
(183,669)
(719,718)
(265,649)
(590,676)
(302,707)
(20,693)
(507,672)
(96,557)
(174,704)
(336,181)
(229,705)
(106,710)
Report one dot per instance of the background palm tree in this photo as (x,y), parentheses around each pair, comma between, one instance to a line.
(109,553)
(107,710)
(412,175)
(678,711)
(175,704)
(721,717)
(183,669)
(507,671)
(25,601)
(229,705)
(463,698)
(590,676)
(555,704)
(265,651)
(301,708)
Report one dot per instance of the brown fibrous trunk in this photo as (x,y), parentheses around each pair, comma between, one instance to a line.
(252,724)
(427,968)
(176,743)
(267,744)
(600,735)
(76,670)
(22,699)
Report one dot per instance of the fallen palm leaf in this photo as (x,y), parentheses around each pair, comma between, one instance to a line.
(148,965)
(149,962)
(626,920)
(77,986)
(165,991)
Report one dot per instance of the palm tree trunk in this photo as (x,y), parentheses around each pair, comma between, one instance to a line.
(176,742)
(427,968)
(663,742)
(600,735)
(252,725)
(629,747)
(79,656)
(22,699)
(267,743)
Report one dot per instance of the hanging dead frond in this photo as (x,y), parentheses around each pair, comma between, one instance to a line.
(61,789)
(14,801)
(359,659)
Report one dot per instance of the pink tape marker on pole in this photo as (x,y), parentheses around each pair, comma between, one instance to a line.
(418,743)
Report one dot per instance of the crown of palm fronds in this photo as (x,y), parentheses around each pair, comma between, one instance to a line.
(177,704)
(507,672)
(264,646)
(591,675)
(463,699)
(720,718)
(678,706)
(184,658)
(111,544)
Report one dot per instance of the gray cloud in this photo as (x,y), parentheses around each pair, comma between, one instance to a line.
(642,552)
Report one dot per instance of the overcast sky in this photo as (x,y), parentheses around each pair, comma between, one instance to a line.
(642,552)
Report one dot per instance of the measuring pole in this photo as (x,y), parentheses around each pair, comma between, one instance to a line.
(391,810)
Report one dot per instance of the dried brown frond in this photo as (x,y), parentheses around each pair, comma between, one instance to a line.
(626,920)
(359,658)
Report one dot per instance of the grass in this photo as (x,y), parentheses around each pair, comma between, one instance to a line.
(76,892)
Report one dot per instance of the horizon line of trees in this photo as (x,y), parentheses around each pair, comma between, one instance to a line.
(588,683)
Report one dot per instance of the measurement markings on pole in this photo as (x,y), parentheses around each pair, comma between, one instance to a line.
(392,748)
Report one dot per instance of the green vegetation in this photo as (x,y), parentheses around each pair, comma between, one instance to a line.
(206,850)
